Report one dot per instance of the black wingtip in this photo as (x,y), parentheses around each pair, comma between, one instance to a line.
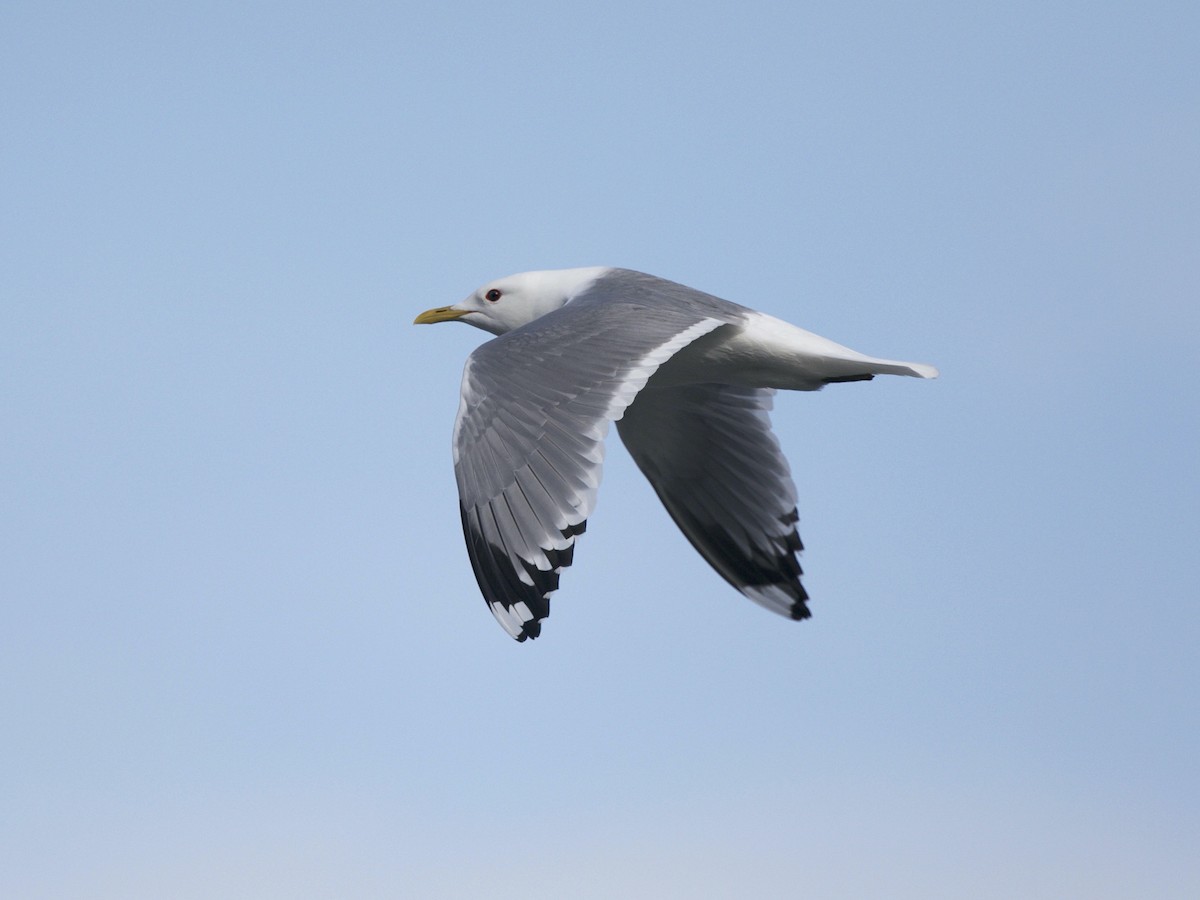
(843,379)
(529,632)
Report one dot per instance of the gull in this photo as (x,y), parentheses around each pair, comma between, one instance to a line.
(688,378)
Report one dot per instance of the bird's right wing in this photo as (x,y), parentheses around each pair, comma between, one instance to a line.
(528,441)
(709,452)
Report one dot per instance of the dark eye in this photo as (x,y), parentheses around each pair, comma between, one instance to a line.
(493,295)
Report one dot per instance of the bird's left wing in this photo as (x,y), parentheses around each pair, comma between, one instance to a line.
(528,441)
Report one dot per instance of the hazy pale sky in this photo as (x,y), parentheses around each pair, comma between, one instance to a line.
(242,653)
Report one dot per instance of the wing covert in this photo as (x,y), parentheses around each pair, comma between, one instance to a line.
(534,410)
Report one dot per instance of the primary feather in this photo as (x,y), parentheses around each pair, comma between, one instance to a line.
(689,379)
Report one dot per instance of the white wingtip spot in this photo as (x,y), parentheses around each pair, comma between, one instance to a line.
(512,620)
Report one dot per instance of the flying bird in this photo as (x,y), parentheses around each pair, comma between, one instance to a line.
(689,380)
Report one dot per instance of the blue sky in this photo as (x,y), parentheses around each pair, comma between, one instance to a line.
(242,653)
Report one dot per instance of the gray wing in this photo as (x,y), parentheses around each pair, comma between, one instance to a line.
(528,441)
(709,452)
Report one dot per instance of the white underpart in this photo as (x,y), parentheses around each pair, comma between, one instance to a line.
(692,410)
(771,353)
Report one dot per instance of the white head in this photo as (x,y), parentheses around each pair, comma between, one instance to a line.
(507,303)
